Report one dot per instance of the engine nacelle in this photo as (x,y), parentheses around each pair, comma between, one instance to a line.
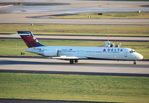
(108,44)
(51,53)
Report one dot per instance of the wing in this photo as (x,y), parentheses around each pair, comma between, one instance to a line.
(66,57)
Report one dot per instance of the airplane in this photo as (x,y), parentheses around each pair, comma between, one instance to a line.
(75,53)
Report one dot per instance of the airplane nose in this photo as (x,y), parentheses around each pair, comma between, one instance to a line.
(138,56)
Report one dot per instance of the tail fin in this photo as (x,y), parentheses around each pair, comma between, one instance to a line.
(29,39)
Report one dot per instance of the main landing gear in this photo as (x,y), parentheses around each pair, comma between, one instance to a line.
(72,61)
(134,62)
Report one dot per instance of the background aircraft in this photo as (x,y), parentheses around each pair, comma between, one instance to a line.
(75,53)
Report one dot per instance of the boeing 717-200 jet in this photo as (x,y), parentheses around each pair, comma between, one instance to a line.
(75,53)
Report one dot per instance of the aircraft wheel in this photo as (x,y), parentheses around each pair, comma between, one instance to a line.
(76,61)
(134,63)
(71,61)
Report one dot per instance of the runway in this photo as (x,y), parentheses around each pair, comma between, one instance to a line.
(94,67)
(90,38)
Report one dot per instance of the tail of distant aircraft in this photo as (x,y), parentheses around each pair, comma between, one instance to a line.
(29,39)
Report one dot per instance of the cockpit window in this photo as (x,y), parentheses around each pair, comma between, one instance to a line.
(132,51)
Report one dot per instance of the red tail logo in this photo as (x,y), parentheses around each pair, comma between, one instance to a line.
(29,39)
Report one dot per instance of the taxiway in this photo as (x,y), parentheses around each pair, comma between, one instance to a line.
(90,38)
(84,66)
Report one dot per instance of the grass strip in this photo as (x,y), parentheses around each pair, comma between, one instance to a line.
(74,87)
(101,30)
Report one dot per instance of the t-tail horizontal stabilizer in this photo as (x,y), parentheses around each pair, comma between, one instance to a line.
(29,39)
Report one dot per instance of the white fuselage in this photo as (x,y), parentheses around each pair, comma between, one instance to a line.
(78,52)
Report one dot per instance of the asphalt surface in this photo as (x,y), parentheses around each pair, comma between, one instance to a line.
(90,38)
(87,67)
(45,101)
(71,6)
(31,13)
